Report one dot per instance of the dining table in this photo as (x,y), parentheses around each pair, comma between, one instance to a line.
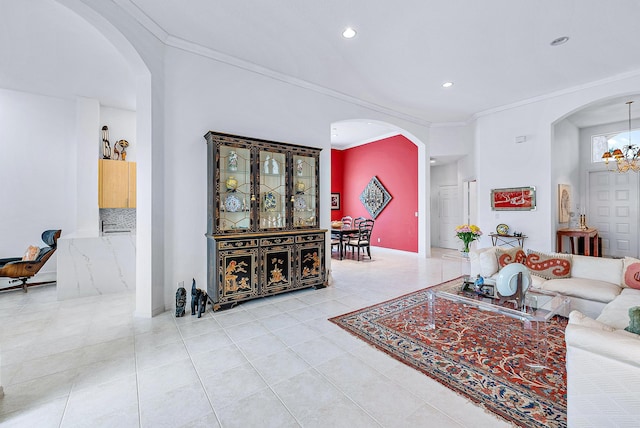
(342,233)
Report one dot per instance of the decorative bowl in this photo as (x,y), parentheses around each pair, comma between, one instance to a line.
(336,224)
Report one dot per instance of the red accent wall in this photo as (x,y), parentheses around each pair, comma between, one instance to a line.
(394,161)
(337,172)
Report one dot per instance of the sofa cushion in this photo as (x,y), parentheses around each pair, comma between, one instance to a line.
(488,263)
(590,289)
(616,313)
(474,259)
(631,273)
(599,268)
(511,255)
(578,318)
(549,266)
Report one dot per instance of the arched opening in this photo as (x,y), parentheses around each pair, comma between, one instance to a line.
(56,88)
(608,199)
(364,148)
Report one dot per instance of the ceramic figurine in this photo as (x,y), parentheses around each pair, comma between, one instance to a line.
(299,167)
(233,161)
(181,300)
(477,285)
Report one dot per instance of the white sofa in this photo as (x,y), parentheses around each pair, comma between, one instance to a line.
(603,360)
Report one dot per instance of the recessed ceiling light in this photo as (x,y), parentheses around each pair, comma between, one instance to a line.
(447,84)
(349,33)
(432,161)
(334,135)
(559,41)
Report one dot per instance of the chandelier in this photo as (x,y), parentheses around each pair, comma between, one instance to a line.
(627,158)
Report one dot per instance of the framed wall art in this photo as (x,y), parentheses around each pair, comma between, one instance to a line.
(513,199)
(375,197)
(335,201)
(564,203)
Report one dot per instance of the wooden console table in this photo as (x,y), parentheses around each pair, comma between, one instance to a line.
(511,240)
(590,236)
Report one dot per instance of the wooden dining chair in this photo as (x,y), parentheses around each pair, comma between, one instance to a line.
(347,222)
(363,240)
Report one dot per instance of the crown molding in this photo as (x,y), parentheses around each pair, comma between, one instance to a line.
(566,91)
(206,52)
(134,11)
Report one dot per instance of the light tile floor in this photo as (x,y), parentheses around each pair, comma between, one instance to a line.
(272,362)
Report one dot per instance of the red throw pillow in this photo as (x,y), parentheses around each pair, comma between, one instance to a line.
(512,255)
(631,273)
(549,266)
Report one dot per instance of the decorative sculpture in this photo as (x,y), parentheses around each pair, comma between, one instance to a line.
(198,300)
(375,197)
(181,301)
(106,147)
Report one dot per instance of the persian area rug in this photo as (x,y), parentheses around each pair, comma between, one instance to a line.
(479,354)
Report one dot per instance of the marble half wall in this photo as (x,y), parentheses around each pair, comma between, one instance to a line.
(91,266)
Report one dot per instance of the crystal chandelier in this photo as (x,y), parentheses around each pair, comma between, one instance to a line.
(627,158)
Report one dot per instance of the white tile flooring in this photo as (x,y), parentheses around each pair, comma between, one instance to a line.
(273,362)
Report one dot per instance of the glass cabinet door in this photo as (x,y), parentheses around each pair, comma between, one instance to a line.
(304,191)
(272,212)
(235,189)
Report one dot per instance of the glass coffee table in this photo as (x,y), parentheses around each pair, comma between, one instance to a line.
(539,307)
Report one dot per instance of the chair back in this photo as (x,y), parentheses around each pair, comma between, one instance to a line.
(357,221)
(347,222)
(364,230)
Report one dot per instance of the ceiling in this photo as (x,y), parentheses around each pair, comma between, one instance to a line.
(496,52)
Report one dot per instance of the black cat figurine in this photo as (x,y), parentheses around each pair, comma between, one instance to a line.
(181,301)
(194,297)
(202,302)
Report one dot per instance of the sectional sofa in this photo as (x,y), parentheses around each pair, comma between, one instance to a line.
(603,360)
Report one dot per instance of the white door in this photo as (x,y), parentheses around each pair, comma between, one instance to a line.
(448,217)
(613,210)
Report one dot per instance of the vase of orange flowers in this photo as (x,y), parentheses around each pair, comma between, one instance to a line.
(468,233)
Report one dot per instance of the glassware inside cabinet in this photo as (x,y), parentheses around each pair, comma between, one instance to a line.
(304,191)
(235,188)
(273,190)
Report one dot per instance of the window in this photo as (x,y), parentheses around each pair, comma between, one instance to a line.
(612,141)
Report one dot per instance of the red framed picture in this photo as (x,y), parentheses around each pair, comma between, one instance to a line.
(513,199)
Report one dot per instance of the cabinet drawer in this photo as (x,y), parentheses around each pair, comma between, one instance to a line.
(234,245)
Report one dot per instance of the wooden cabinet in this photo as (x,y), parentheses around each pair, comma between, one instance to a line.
(262,224)
(116,184)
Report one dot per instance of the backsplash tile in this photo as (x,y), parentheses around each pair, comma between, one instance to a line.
(118,218)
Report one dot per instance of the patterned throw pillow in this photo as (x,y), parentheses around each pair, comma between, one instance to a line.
(512,255)
(549,266)
(631,273)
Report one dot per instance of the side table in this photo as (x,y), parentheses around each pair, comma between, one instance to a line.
(510,240)
(590,236)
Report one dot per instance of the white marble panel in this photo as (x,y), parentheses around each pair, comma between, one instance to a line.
(91,266)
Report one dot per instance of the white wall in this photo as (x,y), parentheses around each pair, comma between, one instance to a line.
(203,94)
(37,165)
(565,166)
(502,163)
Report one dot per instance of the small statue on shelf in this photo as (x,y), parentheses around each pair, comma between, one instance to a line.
(299,167)
(233,161)
(106,147)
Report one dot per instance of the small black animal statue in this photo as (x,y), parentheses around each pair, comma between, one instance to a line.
(181,301)
(198,300)
(202,303)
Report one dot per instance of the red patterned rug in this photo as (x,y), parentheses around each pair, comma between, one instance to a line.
(479,354)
